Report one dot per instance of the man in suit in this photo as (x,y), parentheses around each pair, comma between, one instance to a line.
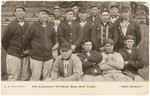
(75,8)
(132,59)
(114,14)
(69,31)
(126,27)
(85,25)
(90,59)
(51,21)
(39,40)
(17,61)
(102,31)
(94,17)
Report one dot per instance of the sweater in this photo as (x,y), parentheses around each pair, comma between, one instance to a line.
(134,59)
(92,62)
(40,40)
(12,40)
(132,29)
(69,70)
(70,33)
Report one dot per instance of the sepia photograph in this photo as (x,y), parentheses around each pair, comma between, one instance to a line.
(74,45)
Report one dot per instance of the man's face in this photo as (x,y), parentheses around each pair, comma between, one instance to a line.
(69,15)
(94,11)
(114,11)
(65,53)
(43,16)
(125,15)
(105,16)
(51,18)
(129,43)
(75,9)
(109,48)
(20,13)
(57,12)
(87,46)
(83,16)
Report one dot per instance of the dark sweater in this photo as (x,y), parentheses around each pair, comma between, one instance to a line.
(70,34)
(96,34)
(133,29)
(91,63)
(96,21)
(12,40)
(40,40)
(134,59)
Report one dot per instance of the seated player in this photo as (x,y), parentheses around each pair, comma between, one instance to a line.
(67,66)
(112,63)
(90,59)
(132,59)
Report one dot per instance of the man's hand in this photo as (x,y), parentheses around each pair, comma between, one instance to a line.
(73,47)
(88,54)
(85,60)
(55,47)
(102,49)
(26,52)
(126,62)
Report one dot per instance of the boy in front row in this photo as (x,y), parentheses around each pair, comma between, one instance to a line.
(90,59)
(67,66)
(112,63)
(132,59)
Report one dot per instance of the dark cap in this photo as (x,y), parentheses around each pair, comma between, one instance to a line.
(43,10)
(110,41)
(114,5)
(125,9)
(105,10)
(94,5)
(129,37)
(74,4)
(51,12)
(82,10)
(56,7)
(87,40)
(20,6)
(68,10)
(65,46)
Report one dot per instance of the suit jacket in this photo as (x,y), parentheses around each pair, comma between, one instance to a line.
(12,40)
(96,21)
(133,29)
(40,40)
(71,34)
(134,59)
(91,63)
(116,21)
(96,34)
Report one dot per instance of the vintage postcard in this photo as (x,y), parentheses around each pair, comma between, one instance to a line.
(74,47)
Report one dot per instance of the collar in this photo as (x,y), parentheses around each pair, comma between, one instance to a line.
(105,24)
(19,20)
(42,23)
(52,23)
(57,18)
(128,48)
(67,58)
(114,16)
(83,21)
(122,20)
(110,52)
